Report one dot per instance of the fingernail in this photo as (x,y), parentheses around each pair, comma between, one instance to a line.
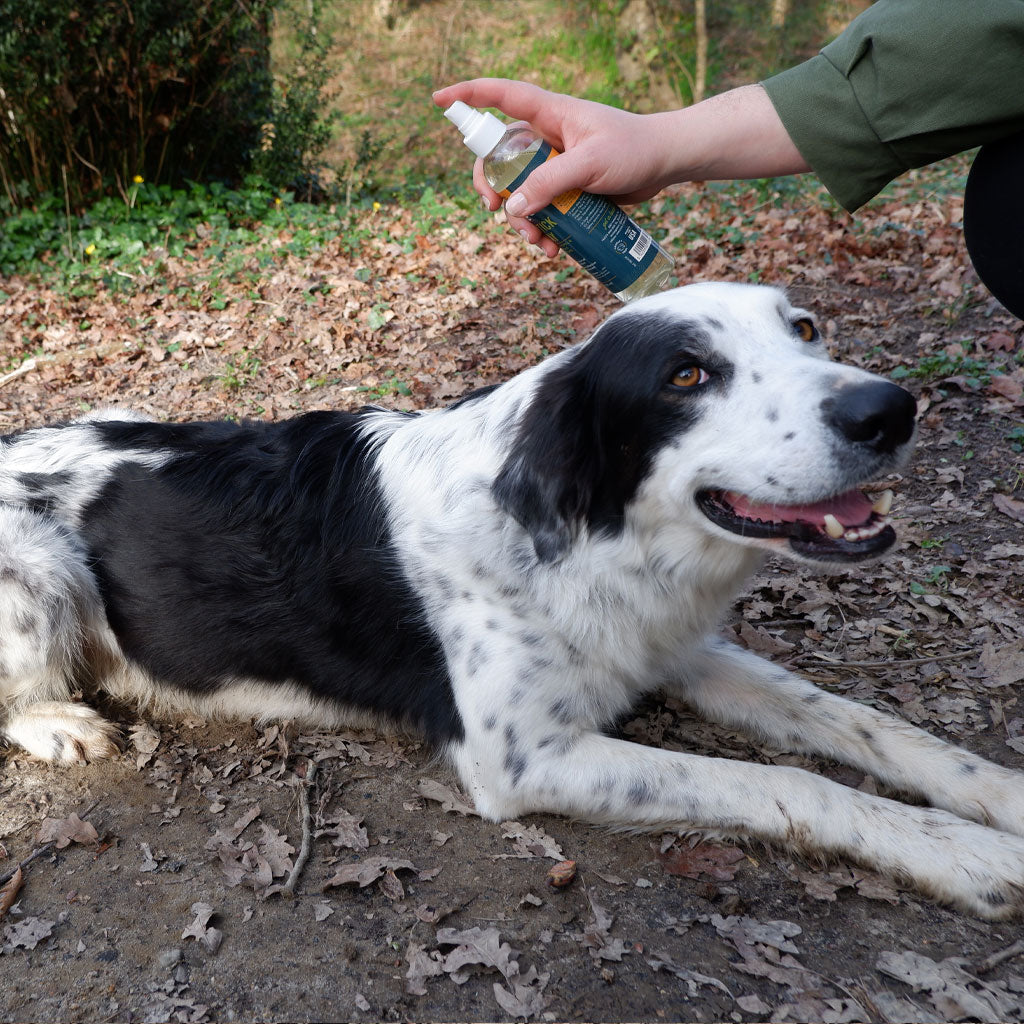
(525,236)
(516,205)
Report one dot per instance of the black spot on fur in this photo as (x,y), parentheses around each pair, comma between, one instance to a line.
(789,435)
(515,760)
(490,722)
(771,415)
(755,376)
(560,743)
(640,794)
(262,551)
(561,712)
(968,768)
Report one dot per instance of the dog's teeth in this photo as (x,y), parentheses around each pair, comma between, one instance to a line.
(883,503)
(833,527)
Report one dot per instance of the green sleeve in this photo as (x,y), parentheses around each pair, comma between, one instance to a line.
(907,83)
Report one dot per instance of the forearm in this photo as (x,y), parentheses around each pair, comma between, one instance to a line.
(736,134)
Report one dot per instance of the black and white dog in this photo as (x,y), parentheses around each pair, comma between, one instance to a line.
(509,575)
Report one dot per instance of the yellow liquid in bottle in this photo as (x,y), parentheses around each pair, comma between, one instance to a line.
(510,158)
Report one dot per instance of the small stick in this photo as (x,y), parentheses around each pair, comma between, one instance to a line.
(307,831)
(895,663)
(39,851)
(997,958)
(26,367)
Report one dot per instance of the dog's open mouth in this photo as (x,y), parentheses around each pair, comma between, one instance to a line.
(843,528)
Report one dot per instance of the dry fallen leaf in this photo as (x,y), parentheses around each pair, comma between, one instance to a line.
(1004,664)
(347,830)
(67,830)
(9,892)
(531,841)
(1009,506)
(364,872)
(27,933)
(597,938)
(957,994)
(717,862)
(447,797)
(211,938)
(144,738)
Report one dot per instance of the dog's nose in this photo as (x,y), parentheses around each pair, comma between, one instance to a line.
(877,414)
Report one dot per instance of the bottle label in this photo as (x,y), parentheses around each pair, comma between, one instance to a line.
(599,236)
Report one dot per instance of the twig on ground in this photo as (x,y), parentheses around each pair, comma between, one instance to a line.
(995,959)
(39,851)
(307,831)
(895,663)
(26,367)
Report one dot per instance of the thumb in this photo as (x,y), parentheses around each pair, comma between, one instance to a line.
(550,180)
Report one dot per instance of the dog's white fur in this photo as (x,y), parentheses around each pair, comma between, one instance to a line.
(547,643)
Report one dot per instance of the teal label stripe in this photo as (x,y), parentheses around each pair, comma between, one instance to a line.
(595,233)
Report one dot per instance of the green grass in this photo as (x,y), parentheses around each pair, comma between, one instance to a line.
(121,247)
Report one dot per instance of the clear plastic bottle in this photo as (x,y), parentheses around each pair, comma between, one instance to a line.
(604,240)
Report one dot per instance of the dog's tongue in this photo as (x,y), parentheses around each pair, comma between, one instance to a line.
(851,509)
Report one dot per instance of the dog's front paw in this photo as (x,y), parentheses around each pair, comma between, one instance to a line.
(62,733)
(982,872)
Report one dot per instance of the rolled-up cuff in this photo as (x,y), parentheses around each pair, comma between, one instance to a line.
(819,110)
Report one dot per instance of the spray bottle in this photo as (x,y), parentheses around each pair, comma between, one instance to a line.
(591,229)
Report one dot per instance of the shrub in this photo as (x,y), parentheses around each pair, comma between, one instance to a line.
(95,94)
(297,129)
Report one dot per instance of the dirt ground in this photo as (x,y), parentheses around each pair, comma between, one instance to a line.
(169,907)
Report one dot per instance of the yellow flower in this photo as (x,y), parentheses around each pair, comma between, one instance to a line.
(277,201)
(90,249)
(138,179)
(376,206)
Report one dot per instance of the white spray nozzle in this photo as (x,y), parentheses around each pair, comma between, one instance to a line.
(481,131)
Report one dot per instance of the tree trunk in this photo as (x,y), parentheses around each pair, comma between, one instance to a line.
(700,75)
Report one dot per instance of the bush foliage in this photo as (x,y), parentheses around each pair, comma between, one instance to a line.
(95,94)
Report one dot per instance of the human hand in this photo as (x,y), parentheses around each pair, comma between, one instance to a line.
(603,150)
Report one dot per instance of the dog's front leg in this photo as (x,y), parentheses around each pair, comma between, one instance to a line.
(613,782)
(737,688)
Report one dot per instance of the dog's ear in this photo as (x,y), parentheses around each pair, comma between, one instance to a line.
(554,468)
(542,487)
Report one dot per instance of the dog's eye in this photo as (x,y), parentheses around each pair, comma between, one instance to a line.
(689,377)
(805,329)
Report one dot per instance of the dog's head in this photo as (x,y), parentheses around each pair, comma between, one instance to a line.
(713,405)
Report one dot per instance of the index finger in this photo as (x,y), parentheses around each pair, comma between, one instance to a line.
(518,100)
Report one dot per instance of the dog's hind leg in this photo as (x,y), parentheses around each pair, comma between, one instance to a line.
(48,606)
(737,688)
